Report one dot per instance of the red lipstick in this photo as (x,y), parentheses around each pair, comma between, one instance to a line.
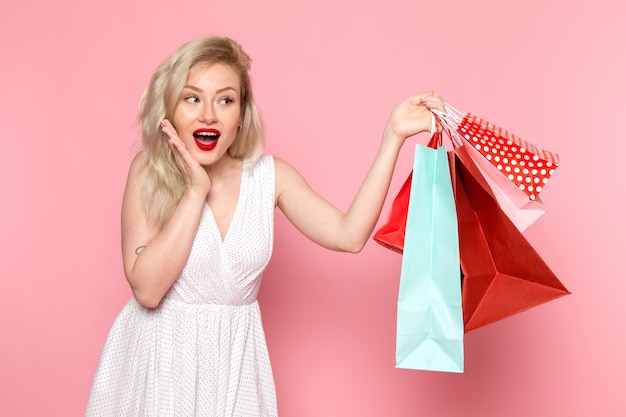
(206,139)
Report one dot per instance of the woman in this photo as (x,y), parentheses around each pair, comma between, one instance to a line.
(197,233)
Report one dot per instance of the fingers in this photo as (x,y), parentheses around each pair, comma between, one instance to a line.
(195,174)
(167,128)
(432,100)
(170,132)
(181,154)
(173,139)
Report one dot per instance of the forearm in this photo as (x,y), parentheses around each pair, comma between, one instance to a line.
(349,231)
(161,261)
(361,217)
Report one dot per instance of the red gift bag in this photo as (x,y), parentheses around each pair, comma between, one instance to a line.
(523,163)
(391,234)
(515,203)
(502,273)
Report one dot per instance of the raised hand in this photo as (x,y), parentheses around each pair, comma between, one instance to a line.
(196,176)
(413,115)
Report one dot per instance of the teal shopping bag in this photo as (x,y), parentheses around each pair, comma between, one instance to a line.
(430,319)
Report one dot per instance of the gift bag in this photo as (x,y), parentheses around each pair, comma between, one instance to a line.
(429,317)
(526,165)
(521,210)
(515,169)
(502,274)
(391,234)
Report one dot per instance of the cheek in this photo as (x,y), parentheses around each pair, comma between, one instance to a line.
(232,118)
(184,112)
(177,118)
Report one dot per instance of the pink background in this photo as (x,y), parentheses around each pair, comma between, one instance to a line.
(326,74)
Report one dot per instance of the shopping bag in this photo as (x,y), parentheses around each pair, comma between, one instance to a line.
(502,273)
(523,163)
(391,233)
(429,317)
(521,210)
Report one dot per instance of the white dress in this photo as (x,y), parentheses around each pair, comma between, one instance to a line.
(202,352)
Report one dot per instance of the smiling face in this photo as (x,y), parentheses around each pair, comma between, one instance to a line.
(208,112)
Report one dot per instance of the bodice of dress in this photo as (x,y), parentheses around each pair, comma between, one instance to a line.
(229,271)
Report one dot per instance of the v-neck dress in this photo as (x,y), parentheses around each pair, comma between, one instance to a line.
(202,351)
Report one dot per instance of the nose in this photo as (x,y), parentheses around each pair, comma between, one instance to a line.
(208,114)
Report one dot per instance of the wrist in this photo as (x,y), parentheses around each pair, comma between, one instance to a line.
(197,192)
(392,137)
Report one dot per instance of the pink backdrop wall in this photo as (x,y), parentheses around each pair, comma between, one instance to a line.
(326,74)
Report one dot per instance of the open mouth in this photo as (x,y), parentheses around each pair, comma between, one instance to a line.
(206,139)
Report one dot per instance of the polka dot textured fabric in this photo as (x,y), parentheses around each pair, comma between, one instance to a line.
(202,352)
(521,162)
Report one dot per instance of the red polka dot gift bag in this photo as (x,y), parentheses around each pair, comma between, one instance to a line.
(524,164)
(516,170)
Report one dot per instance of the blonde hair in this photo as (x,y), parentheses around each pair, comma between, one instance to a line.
(165,183)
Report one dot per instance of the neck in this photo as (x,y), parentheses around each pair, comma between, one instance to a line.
(224,167)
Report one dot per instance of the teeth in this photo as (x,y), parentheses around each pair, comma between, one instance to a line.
(207,134)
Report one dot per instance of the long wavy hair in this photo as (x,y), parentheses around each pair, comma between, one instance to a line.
(165,183)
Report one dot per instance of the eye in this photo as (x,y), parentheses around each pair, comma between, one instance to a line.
(191,98)
(226,100)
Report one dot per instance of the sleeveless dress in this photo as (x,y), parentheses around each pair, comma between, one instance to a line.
(202,352)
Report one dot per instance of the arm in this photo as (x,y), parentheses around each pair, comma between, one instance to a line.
(152,272)
(326,225)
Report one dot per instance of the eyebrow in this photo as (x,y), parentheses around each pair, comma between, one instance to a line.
(221,90)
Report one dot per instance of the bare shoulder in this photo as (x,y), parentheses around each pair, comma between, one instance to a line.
(280,164)
(284,170)
(137,167)
(286,176)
